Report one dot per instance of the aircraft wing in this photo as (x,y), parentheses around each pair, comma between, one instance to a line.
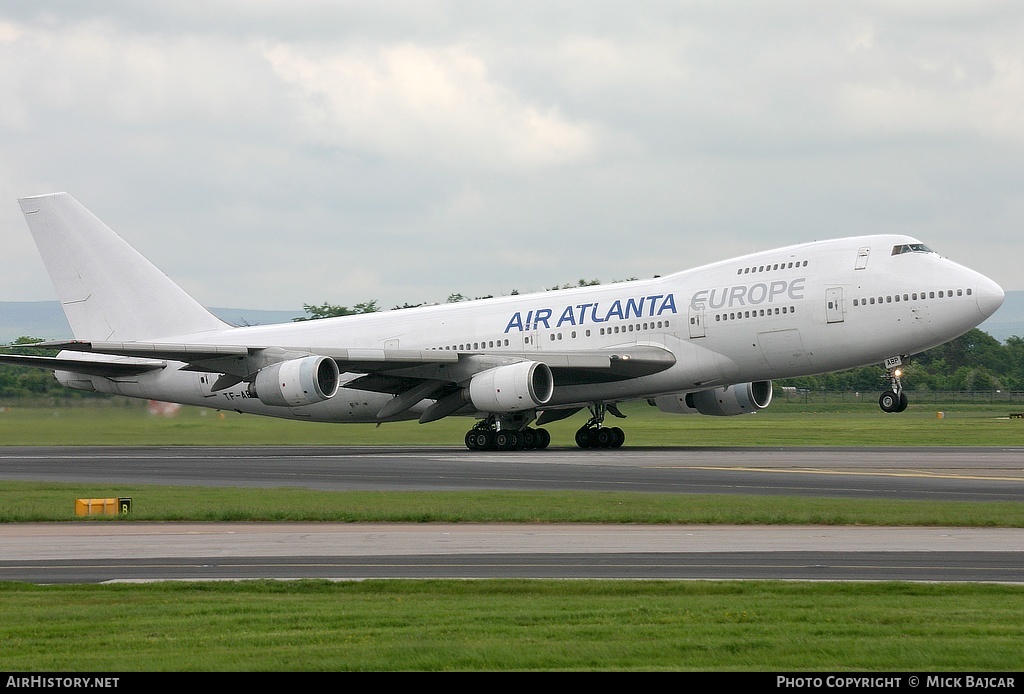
(389,370)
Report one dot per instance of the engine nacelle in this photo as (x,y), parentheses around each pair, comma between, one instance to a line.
(296,382)
(512,388)
(741,398)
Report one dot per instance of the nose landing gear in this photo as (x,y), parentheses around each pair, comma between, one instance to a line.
(894,399)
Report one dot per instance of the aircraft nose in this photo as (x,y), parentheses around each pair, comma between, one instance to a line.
(989,296)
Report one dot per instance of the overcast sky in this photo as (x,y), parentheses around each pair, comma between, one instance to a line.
(266,154)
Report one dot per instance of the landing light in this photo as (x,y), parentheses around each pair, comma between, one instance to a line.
(897,373)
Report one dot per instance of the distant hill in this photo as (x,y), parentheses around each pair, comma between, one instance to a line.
(45,319)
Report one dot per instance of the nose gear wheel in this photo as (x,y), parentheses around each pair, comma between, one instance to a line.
(894,399)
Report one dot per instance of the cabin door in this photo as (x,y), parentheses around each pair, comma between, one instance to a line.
(697,321)
(834,304)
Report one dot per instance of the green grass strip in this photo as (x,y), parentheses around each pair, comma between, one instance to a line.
(512,625)
(127,423)
(34,501)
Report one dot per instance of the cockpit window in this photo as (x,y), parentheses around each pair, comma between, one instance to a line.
(911,248)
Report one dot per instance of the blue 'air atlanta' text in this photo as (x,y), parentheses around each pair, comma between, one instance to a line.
(581,314)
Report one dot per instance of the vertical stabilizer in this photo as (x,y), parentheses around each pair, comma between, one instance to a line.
(107,289)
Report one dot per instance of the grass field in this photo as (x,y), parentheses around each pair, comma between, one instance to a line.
(494,625)
(49,502)
(127,423)
(512,625)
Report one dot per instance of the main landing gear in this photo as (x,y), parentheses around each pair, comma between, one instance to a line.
(492,434)
(510,432)
(594,434)
(894,399)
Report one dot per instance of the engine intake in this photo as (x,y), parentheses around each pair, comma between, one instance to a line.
(740,398)
(296,382)
(512,388)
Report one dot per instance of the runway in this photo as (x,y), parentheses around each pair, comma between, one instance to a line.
(940,473)
(102,552)
(114,551)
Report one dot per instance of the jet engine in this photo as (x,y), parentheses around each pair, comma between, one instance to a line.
(511,388)
(296,382)
(740,398)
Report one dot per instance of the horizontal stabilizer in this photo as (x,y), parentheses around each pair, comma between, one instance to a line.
(177,352)
(90,367)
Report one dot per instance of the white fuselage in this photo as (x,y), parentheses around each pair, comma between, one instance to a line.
(801,310)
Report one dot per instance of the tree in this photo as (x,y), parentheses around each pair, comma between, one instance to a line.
(326,310)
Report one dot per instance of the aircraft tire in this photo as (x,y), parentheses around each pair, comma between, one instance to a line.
(541,439)
(502,442)
(583,437)
(889,401)
(517,441)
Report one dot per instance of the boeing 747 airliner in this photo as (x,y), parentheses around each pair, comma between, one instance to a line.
(708,340)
